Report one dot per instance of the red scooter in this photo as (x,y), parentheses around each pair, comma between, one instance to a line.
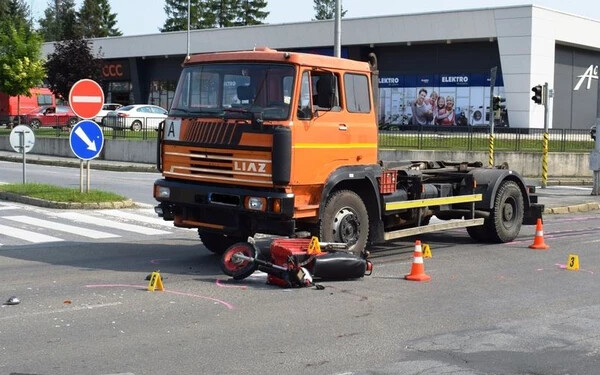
(294,262)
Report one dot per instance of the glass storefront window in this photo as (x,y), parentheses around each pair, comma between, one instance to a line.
(161,93)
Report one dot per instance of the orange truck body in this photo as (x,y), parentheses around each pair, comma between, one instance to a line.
(307,163)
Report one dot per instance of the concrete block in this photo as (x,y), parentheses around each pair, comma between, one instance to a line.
(593,206)
(560,210)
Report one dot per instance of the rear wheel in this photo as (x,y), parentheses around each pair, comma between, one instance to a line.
(136,126)
(217,242)
(345,219)
(35,124)
(506,218)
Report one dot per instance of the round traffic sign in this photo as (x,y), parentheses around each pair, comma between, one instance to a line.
(28,138)
(86,98)
(86,140)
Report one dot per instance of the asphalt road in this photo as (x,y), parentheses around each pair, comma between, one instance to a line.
(488,309)
(135,185)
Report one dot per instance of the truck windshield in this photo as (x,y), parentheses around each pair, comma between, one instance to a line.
(235,90)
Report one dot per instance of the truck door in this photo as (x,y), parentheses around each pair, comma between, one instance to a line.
(322,137)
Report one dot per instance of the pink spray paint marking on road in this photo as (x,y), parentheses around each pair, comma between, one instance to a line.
(228,305)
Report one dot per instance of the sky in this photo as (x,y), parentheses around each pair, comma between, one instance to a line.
(135,17)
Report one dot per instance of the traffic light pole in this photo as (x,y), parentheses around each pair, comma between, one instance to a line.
(546,137)
(595,155)
(493,72)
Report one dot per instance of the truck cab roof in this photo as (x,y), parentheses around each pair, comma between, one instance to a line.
(265,54)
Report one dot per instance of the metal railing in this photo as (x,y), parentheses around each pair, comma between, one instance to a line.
(415,137)
(112,127)
(476,138)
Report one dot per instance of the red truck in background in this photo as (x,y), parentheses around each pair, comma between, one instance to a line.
(11,106)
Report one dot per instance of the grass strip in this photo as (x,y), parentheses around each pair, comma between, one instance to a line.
(61,194)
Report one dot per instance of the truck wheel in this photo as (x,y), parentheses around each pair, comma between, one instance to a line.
(216,242)
(345,219)
(478,233)
(504,223)
(238,269)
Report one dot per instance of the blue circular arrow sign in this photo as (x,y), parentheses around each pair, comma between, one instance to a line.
(86,140)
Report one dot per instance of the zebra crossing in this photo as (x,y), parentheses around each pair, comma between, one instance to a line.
(25,225)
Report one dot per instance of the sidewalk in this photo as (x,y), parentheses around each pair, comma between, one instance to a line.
(563,195)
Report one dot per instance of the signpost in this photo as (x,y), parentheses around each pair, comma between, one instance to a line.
(86,141)
(22,140)
(493,73)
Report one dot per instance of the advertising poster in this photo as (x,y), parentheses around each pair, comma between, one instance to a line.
(437,99)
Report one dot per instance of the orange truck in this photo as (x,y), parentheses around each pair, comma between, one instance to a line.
(11,106)
(284,143)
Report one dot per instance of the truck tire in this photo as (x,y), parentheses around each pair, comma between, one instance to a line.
(217,242)
(506,217)
(345,219)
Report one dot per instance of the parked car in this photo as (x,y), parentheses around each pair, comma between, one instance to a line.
(107,107)
(136,117)
(56,116)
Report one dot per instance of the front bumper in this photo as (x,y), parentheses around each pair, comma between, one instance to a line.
(221,209)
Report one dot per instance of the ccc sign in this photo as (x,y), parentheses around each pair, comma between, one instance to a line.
(115,70)
(112,70)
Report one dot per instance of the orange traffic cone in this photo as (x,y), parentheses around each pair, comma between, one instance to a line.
(538,241)
(417,272)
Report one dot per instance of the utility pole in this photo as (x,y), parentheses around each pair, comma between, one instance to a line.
(187,56)
(337,32)
(595,155)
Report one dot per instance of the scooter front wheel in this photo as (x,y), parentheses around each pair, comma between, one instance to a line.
(236,267)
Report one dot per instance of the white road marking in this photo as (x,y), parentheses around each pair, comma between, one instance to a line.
(139,218)
(86,99)
(90,233)
(2,208)
(26,235)
(109,223)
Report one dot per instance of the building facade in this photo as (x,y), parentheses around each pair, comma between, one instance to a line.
(450,55)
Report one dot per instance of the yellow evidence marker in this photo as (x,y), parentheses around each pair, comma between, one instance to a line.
(573,262)
(314,247)
(427,251)
(155,282)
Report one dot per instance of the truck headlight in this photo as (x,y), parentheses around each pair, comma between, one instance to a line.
(255,203)
(162,192)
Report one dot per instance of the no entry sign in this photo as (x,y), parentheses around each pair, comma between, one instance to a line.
(86,98)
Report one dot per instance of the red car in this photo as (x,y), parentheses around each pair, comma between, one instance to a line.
(52,116)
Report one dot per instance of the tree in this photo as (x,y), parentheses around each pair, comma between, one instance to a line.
(71,61)
(17,11)
(95,20)
(20,66)
(225,11)
(201,15)
(59,21)
(325,9)
(252,13)
(109,19)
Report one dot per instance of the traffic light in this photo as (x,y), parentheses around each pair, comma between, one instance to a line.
(496,103)
(538,96)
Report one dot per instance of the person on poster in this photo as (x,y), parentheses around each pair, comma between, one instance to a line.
(422,113)
(439,113)
(449,114)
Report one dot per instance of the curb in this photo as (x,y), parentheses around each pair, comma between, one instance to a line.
(75,164)
(65,205)
(584,207)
